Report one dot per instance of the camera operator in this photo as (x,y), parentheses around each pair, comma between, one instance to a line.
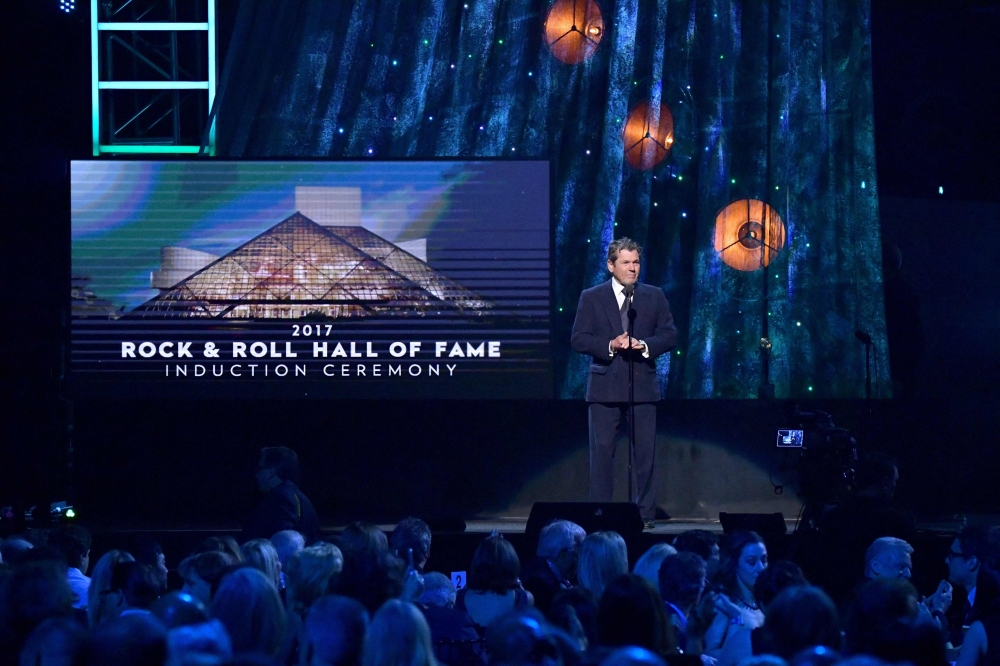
(847,530)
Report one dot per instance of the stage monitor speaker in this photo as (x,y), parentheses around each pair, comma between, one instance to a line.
(765,524)
(621,517)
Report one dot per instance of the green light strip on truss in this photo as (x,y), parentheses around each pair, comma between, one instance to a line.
(153,85)
(149,149)
(164,26)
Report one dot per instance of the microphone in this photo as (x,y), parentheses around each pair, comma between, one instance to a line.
(863,337)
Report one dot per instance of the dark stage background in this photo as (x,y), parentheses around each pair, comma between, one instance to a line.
(925,117)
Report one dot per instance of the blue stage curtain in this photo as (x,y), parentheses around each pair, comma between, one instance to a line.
(771,99)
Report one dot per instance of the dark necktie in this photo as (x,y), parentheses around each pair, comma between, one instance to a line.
(624,314)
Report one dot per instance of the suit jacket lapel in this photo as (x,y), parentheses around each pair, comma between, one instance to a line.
(611,308)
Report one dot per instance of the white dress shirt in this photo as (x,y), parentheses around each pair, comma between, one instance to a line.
(620,297)
(80,584)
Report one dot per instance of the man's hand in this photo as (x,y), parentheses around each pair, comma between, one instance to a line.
(625,342)
(620,343)
(940,601)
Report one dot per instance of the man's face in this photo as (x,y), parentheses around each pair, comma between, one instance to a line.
(625,267)
(893,565)
(266,477)
(962,568)
(567,559)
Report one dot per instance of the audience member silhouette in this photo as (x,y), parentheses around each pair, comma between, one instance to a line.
(603,557)
(333,633)
(261,555)
(681,581)
(554,566)
(284,506)
(631,612)
(412,534)
(702,543)
(100,605)
(494,586)
(73,543)
(648,566)
(799,617)
(398,635)
(249,607)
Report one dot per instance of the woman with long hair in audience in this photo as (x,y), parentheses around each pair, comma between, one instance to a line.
(648,565)
(603,557)
(494,585)
(309,575)
(100,585)
(261,555)
(738,612)
(249,607)
(398,636)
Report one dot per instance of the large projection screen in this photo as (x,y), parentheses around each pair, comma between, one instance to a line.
(360,279)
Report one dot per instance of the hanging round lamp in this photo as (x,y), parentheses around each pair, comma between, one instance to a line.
(573,30)
(648,134)
(749,234)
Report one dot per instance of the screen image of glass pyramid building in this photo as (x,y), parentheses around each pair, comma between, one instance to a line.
(299,268)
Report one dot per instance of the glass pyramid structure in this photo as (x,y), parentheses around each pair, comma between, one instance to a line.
(298,268)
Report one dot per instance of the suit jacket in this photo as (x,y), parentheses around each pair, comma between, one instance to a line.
(598,321)
(283,508)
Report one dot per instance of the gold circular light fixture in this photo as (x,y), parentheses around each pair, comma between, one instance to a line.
(749,234)
(648,135)
(573,30)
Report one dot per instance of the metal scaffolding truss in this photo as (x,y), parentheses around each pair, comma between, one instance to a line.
(167,69)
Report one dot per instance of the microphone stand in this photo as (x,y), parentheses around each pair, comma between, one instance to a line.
(631,398)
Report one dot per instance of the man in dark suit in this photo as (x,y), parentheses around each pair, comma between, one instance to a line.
(600,331)
(283,506)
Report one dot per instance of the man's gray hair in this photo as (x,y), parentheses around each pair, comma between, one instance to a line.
(438,591)
(886,545)
(625,244)
(558,536)
(287,543)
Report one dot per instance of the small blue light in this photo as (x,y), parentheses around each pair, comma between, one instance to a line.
(530,74)
(394,63)
(340,130)
(430,117)
(370,151)
(453,66)
(588,152)
(862,184)
(481,128)
(941,190)
(684,214)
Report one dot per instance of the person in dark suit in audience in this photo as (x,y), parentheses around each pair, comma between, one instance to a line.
(284,506)
(601,332)
(554,567)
